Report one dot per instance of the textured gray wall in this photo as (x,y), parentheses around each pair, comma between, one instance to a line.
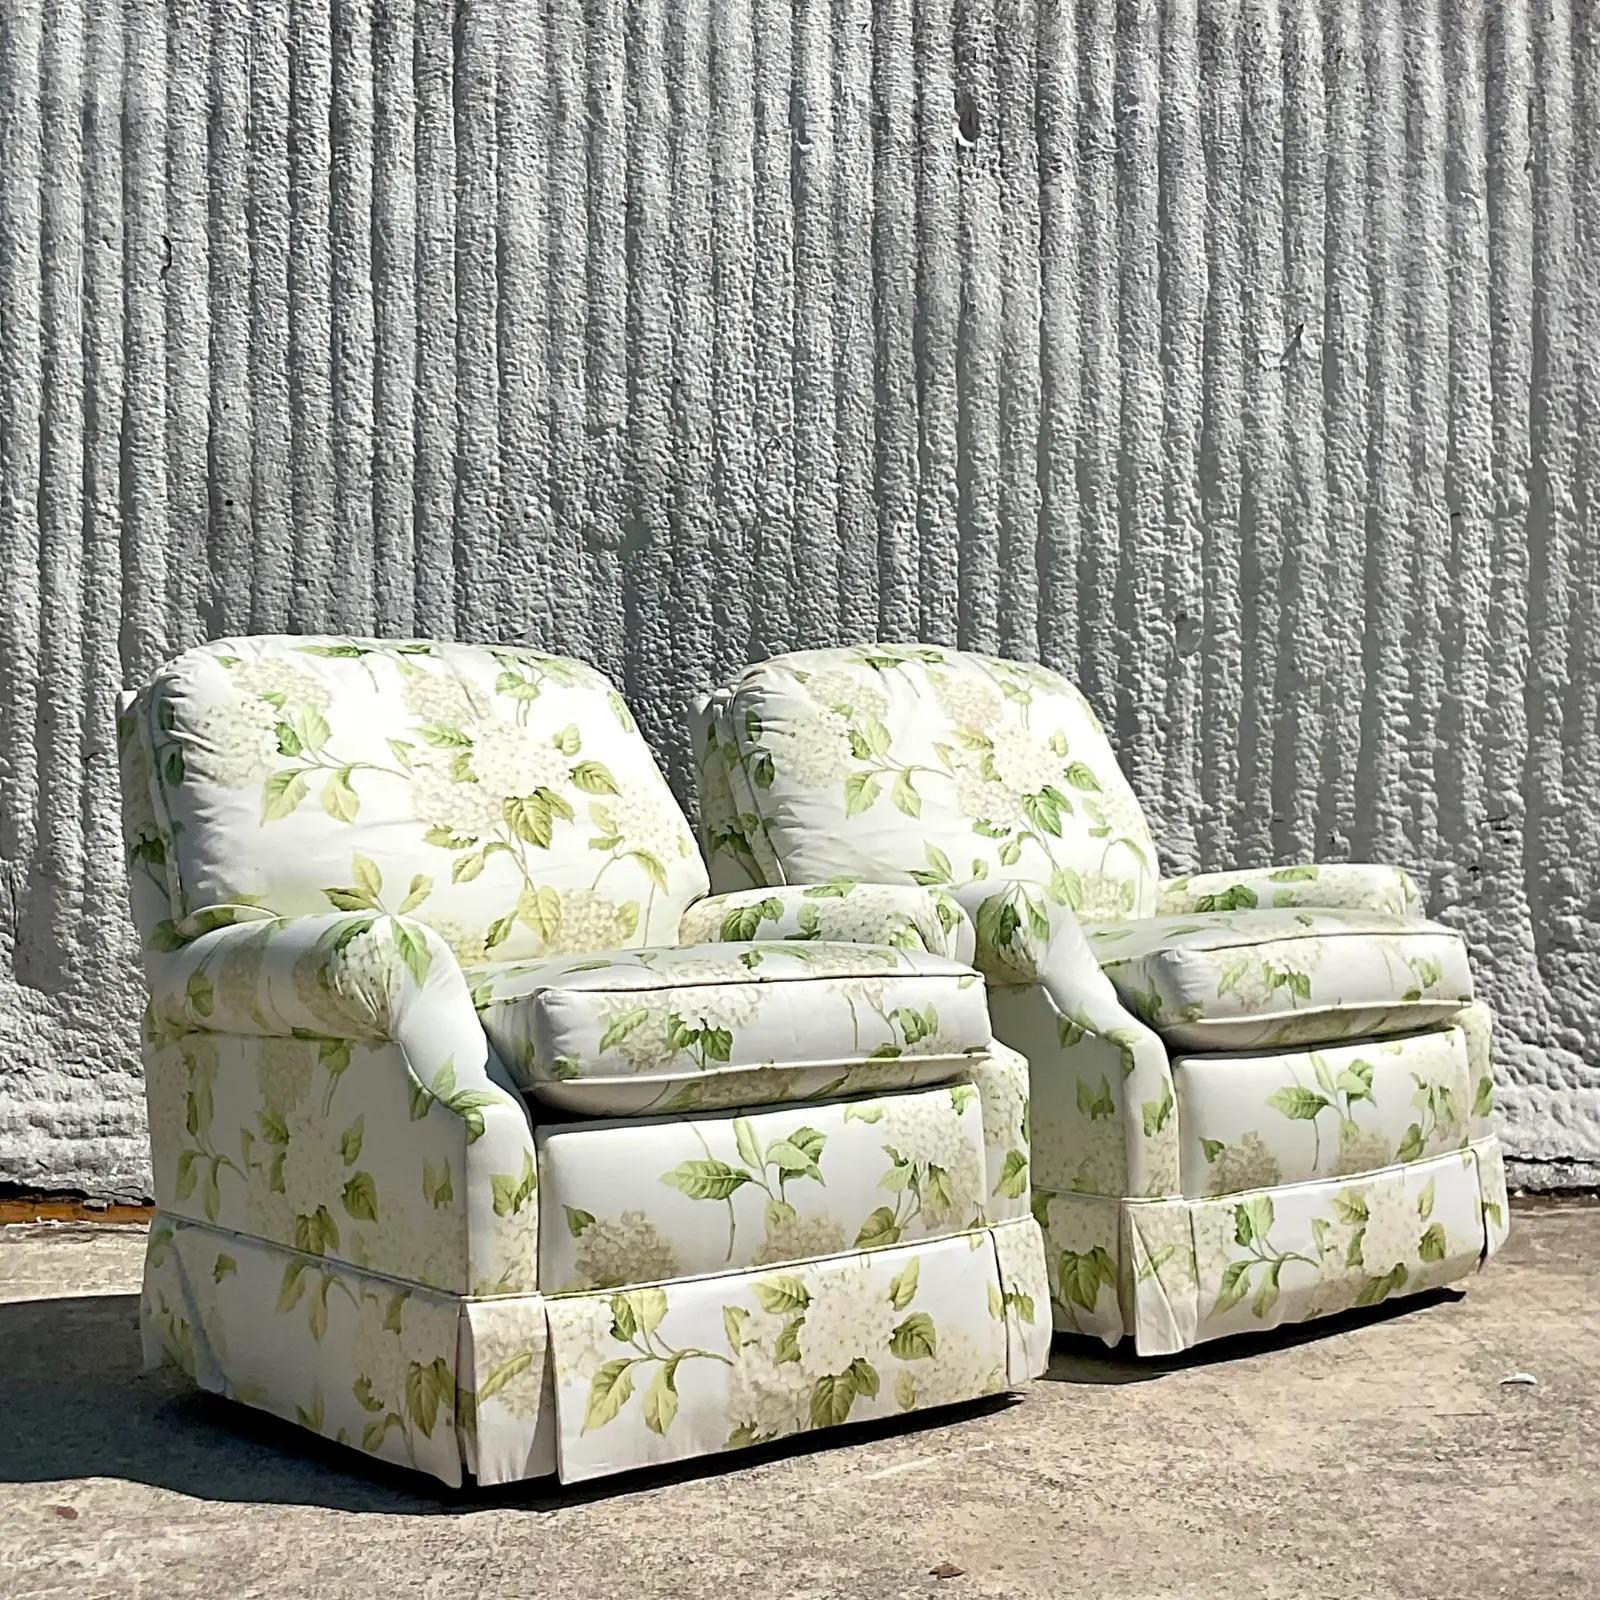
(1238,358)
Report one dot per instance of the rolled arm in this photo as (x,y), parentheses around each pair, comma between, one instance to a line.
(324,1082)
(843,910)
(343,975)
(1356,886)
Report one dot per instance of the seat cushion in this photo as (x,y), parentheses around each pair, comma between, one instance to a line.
(1252,979)
(628,1032)
(1269,1117)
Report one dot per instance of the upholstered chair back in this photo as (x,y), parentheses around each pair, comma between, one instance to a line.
(907,762)
(503,797)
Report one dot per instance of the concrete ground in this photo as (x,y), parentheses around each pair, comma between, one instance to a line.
(1379,1455)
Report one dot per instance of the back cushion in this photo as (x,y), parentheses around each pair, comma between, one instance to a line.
(897,762)
(503,797)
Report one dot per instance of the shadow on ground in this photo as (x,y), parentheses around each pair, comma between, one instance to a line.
(1082,1360)
(80,1407)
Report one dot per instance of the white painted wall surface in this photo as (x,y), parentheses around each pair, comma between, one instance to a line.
(1239,359)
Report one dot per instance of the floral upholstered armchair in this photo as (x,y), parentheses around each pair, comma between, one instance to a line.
(1258,1096)
(483,1140)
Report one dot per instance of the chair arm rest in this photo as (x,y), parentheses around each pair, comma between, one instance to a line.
(356,977)
(1356,886)
(403,1146)
(900,914)
(1091,1058)
(342,975)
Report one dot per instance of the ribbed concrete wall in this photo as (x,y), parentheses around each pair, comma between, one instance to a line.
(1238,358)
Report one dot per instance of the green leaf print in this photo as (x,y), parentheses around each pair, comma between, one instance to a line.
(1156,1112)
(878,1230)
(742,924)
(915,1339)
(592,777)
(1235,1286)
(831,1399)
(1096,1104)
(782,1294)
(1013,1181)
(860,790)
(1066,888)
(938,869)
(1083,1275)
(350,1141)
(1253,1219)
(511,1194)
(609,1391)
(903,1287)
(511,1367)
(1266,1295)
(539,911)
(706,1178)
(413,950)
(641,1309)
(292,1286)
(865,1376)
(787,1348)
(1375,1290)
(427,1388)
(623,1026)
(1299,1105)
(661,1398)
(744,1137)
(365,1398)
(282,792)
(796,1156)
(339,798)
(361,1197)
(905,796)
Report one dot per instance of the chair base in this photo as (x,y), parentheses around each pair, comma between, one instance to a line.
(589,1384)
(1175,1272)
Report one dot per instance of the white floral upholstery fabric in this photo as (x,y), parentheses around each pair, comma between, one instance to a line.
(841,910)
(711,1025)
(1348,885)
(502,797)
(824,763)
(1174,1273)
(390,1369)
(1254,979)
(1292,1039)
(658,1374)
(374,880)
(645,1200)
(323,1083)
(1259,1120)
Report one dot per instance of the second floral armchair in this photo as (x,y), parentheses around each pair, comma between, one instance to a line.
(1258,1096)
